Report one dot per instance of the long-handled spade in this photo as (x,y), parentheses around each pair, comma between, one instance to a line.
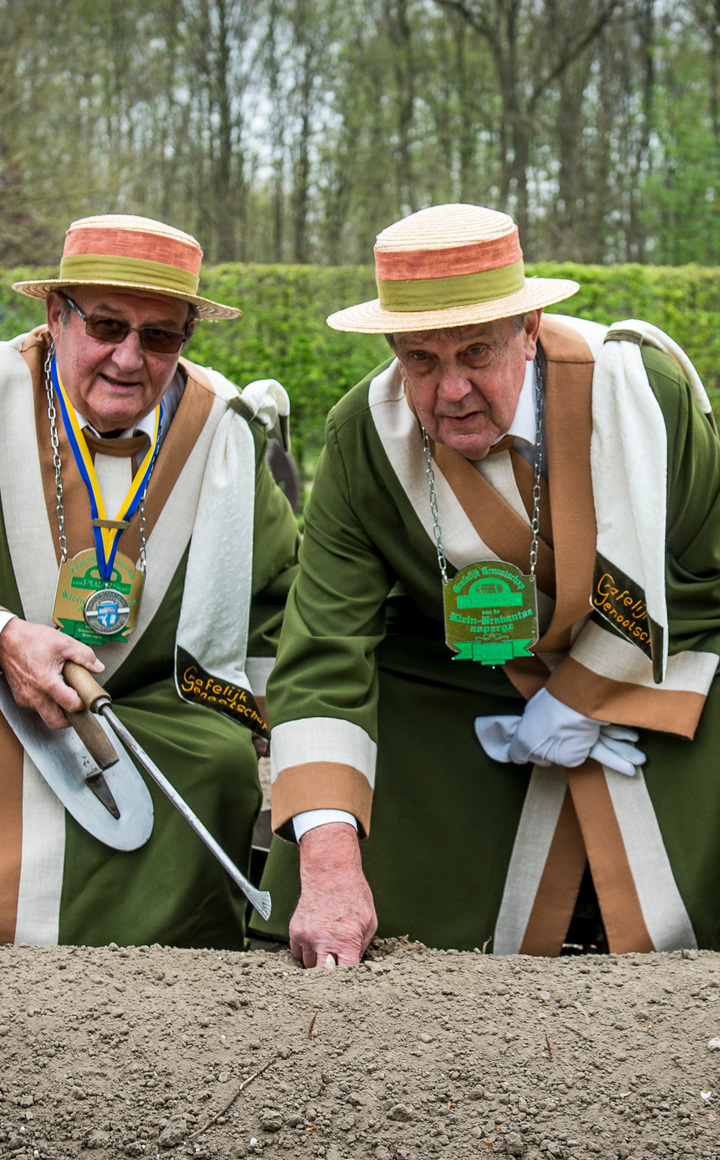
(97,700)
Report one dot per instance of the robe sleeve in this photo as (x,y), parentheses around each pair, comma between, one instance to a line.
(323,693)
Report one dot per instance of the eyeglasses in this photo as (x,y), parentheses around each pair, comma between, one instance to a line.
(155,339)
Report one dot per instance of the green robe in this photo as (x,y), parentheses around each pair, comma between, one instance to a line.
(363,643)
(171,890)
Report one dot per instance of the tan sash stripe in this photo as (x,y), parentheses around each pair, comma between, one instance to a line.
(667,710)
(190,418)
(569,425)
(528,675)
(614,884)
(558,888)
(329,784)
(10,830)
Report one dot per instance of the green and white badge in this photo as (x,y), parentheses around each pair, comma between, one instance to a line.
(490,608)
(490,613)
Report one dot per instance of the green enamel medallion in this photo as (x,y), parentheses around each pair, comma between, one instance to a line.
(490,613)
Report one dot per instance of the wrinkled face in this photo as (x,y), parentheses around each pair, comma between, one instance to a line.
(113,385)
(465,382)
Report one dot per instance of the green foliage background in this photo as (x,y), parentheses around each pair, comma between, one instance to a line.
(283,334)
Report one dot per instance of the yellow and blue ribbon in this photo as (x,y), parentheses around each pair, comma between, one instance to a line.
(106,539)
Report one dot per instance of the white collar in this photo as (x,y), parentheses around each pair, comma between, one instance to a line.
(523,425)
(144,426)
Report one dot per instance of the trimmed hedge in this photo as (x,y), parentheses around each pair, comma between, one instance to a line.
(283,333)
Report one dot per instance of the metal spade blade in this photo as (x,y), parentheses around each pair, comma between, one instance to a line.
(66,766)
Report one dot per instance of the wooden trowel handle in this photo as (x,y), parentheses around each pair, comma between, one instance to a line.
(85,724)
(83,682)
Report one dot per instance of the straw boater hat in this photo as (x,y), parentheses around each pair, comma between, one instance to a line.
(134,253)
(449,265)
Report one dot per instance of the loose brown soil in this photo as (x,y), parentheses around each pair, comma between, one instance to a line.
(154,1052)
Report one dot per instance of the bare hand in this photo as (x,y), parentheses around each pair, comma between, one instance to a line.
(260,745)
(32,658)
(335,915)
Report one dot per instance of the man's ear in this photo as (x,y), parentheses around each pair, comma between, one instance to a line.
(53,307)
(530,333)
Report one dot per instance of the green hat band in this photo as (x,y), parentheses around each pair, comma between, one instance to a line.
(111,270)
(459,290)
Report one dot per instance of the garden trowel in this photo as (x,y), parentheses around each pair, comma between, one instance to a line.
(95,698)
(98,785)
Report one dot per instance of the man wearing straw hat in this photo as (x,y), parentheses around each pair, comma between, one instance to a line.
(505,627)
(138,518)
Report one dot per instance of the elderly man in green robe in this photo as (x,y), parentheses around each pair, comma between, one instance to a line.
(494,669)
(139,518)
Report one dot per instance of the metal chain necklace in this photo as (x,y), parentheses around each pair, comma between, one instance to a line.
(57,464)
(92,604)
(537,482)
(478,623)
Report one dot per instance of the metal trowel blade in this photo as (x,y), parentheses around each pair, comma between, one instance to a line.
(64,762)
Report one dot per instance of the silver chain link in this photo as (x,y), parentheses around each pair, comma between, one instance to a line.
(433,507)
(142,557)
(535,521)
(57,464)
(537,482)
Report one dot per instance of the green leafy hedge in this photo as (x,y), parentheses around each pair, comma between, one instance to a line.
(283,333)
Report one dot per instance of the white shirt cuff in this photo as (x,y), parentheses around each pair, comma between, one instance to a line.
(5,617)
(310,819)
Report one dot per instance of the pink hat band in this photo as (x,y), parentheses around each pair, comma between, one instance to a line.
(449,276)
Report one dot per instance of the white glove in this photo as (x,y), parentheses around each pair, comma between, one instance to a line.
(551,733)
(614,749)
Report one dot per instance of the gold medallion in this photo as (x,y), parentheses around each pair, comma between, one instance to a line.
(95,610)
